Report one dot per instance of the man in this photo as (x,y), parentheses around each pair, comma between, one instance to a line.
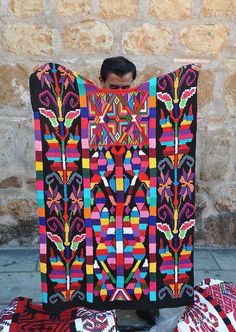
(119,73)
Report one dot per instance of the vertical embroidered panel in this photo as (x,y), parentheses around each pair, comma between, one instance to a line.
(115,189)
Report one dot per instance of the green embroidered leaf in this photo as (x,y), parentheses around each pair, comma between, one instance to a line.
(50,115)
(185,96)
(70,116)
(76,241)
(166,98)
(184,228)
(57,240)
(165,228)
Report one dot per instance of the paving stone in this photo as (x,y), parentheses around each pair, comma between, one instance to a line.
(164,324)
(22,260)
(20,284)
(2,306)
(168,313)
(203,259)
(128,318)
(220,274)
(168,318)
(226,258)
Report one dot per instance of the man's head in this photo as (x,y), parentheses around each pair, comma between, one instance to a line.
(117,73)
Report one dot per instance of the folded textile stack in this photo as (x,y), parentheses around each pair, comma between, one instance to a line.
(214,308)
(23,315)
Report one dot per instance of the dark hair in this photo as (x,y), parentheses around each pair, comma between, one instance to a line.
(117,65)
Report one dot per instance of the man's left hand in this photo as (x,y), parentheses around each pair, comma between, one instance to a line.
(197,67)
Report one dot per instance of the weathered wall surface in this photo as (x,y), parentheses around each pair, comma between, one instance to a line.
(80,34)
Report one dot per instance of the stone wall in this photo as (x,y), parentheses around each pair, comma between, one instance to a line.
(80,34)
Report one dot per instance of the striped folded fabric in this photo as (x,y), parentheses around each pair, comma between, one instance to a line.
(214,308)
(24,315)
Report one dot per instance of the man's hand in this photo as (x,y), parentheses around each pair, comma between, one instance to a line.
(197,67)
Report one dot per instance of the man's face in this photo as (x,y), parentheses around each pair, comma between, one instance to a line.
(114,81)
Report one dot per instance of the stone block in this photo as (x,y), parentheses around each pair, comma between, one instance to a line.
(171,10)
(11,181)
(28,39)
(89,37)
(205,87)
(147,39)
(14,85)
(223,196)
(218,8)
(17,149)
(214,154)
(221,229)
(205,39)
(114,9)
(72,7)
(229,95)
(28,9)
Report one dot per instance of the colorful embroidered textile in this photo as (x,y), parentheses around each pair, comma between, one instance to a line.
(115,189)
(214,308)
(23,315)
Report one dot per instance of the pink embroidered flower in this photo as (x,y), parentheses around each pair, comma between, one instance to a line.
(44,76)
(53,200)
(164,186)
(187,184)
(77,200)
(66,77)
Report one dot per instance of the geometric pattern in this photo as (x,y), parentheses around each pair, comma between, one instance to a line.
(214,308)
(118,119)
(115,183)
